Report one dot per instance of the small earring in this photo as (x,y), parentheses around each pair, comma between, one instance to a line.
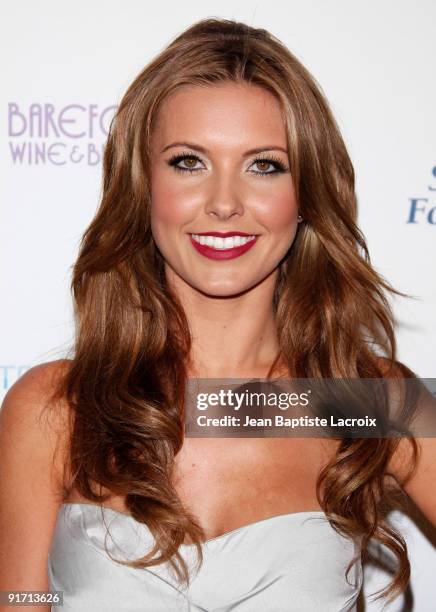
(300,218)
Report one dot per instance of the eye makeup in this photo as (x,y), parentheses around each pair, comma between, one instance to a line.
(272,160)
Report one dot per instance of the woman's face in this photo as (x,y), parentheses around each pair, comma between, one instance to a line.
(223,207)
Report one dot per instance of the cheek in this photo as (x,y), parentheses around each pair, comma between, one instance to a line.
(278,211)
(171,206)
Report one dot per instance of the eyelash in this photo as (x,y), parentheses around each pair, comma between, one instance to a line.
(271,159)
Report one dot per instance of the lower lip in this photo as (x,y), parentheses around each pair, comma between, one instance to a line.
(212,253)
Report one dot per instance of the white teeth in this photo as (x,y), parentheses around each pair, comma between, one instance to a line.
(222,243)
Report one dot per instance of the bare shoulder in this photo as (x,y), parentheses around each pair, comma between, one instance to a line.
(34,412)
(38,383)
(415,476)
(34,427)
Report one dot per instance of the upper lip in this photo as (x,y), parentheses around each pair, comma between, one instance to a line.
(223,234)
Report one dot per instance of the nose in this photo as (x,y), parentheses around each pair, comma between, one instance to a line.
(224,201)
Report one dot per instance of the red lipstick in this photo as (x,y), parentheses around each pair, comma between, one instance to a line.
(221,253)
(223,234)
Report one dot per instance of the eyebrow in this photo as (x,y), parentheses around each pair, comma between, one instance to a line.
(197,147)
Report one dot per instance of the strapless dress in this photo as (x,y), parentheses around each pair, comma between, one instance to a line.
(286,563)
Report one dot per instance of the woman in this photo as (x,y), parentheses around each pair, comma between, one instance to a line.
(225,246)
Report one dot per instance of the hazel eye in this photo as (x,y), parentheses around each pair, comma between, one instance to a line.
(189,162)
(263,164)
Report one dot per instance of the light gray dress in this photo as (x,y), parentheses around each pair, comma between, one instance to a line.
(286,563)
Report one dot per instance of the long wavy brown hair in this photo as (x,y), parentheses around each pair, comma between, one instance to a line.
(126,379)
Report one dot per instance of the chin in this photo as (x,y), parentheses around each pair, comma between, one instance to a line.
(221,289)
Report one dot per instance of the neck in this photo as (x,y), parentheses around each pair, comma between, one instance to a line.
(232,337)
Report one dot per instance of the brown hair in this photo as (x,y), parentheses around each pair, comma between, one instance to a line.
(126,381)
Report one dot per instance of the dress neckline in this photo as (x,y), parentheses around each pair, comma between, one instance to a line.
(222,536)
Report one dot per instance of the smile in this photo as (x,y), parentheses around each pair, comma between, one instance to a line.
(216,246)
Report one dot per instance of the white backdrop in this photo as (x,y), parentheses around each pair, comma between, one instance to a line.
(65,68)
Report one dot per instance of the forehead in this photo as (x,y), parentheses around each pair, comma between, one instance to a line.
(225,114)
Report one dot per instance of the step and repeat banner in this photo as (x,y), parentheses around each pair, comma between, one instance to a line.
(65,68)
